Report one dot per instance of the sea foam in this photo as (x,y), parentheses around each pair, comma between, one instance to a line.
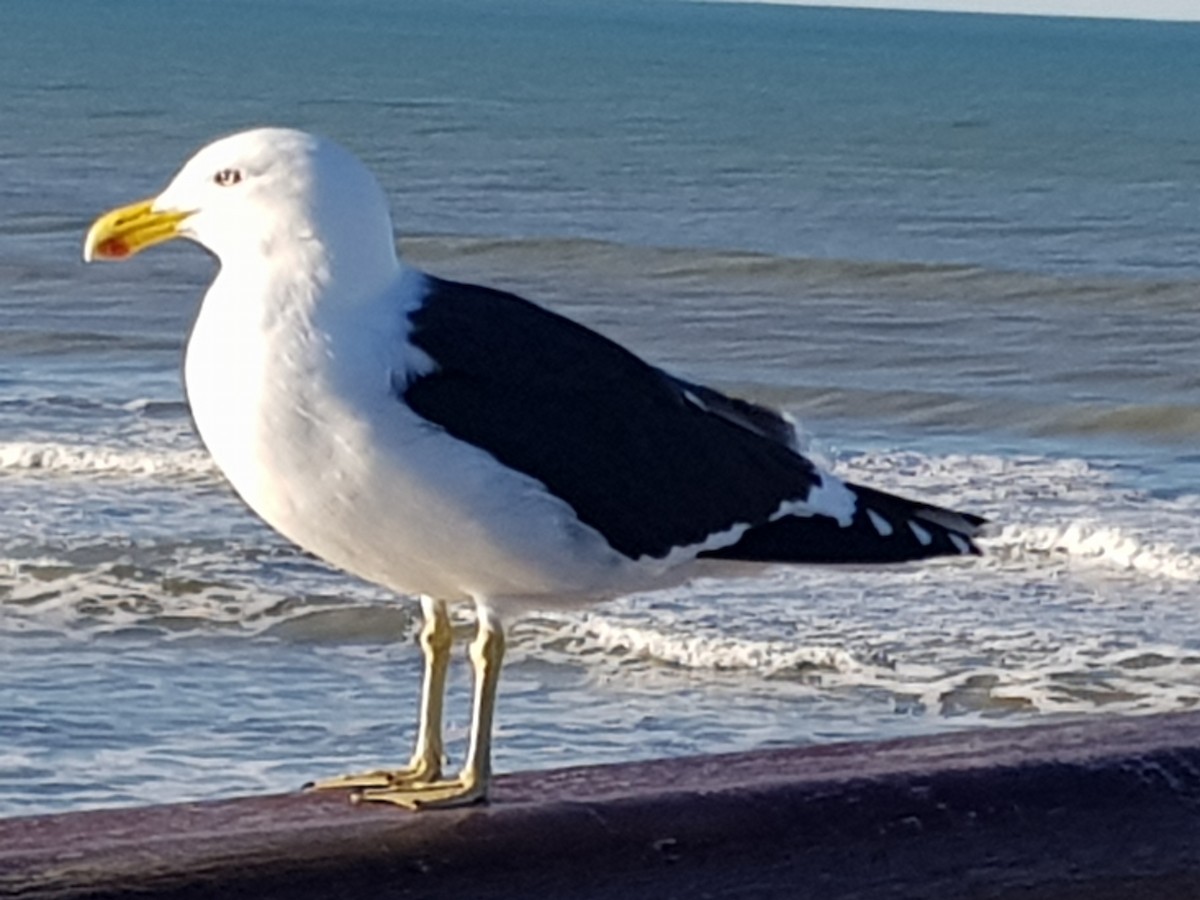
(66,459)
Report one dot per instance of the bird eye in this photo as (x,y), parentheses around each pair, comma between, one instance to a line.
(228,177)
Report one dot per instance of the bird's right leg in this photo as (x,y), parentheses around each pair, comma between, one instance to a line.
(426,765)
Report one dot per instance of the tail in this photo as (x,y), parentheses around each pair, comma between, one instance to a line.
(884,528)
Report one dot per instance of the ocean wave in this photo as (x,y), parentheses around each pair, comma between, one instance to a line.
(965,412)
(1175,422)
(712,269)
(66,459)
(989,672)
(175,588)
(1082,602)
(674,268)
(1101,546)
(1050,510)
(1046,514)
(592,633)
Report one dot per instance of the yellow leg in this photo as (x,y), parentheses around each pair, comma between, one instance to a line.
(471,785)
(426,765)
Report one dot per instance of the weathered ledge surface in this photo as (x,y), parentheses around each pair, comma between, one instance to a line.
(1101,809)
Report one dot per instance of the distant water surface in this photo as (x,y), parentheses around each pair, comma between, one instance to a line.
(962,250)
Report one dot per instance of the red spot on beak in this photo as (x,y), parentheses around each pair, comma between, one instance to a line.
(113,248)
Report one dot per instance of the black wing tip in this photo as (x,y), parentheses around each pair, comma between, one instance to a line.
(884,529)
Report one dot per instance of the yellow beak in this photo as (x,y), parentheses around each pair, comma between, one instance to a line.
(123,232)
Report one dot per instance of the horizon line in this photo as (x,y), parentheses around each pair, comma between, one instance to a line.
(1168,11)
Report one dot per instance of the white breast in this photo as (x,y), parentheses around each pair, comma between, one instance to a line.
(297,409)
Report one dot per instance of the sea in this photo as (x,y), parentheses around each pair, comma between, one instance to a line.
(962,250)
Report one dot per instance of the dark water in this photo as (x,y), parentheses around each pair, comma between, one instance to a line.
(962,250)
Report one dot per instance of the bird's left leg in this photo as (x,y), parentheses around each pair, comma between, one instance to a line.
(426,765)
(471,784)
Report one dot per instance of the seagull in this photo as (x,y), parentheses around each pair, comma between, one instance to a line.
(461,444)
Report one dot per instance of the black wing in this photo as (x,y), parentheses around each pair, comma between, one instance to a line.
(650,461)
(640,456)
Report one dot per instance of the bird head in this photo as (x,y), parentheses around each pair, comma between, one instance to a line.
(257,193)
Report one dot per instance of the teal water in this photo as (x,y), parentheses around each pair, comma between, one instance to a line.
(961,249)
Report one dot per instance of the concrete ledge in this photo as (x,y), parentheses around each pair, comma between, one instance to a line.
(1098,809)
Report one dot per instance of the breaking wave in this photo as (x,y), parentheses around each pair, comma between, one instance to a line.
(1101,546)
(66,459)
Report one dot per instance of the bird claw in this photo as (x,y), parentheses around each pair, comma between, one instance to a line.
(445,793)
(417,773)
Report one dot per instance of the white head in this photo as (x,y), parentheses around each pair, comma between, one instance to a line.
(260,194)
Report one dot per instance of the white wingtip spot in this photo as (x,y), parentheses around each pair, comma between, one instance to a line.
(962,546)
(882,525)
(920,534)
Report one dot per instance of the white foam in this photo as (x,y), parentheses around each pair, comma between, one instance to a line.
(40,457)
(180,589)
(1100,545)
(697,650)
